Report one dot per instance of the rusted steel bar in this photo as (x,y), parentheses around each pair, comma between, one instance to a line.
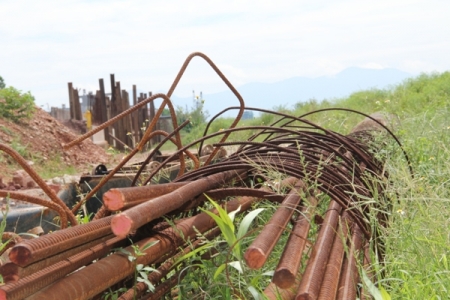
(225,80)
(195,164)
(274,292)
(350,275)
(151,116)
(101,213)
(35,200)
(123,198)
(312,277)
(288,266)
(300,150)
(41,183)
(238,191)
(373,119)
(164,269)
(330,283)
(86,282)
(9,239)
(156,149)
(258,252)
(153,123)
(125,146)
(130,220)
(369,271)
(12,272)
(138,148)
(104,180)
(33,283)
(164,287)
(34,250)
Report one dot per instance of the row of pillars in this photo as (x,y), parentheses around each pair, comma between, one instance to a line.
(126,132)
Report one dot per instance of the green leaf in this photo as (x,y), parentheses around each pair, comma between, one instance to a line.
(237,265)
(371,288)
(123,251)
(233,214)
(150,269)
(219,270)
(192,253)
(150,286)
(268,273)
(246,222)
(149,244)
(34,236)
(223,214)
(143,274)
(384,293)
(227,232)
(254,293)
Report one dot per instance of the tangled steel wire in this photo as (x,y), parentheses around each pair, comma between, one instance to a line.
(316,177)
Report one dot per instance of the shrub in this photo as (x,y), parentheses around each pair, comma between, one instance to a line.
(16,105)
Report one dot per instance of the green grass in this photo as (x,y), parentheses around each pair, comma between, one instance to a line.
(53,168)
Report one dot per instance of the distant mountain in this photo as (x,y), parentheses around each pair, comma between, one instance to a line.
(298,89)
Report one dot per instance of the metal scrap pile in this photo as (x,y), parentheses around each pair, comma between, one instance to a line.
(316,177)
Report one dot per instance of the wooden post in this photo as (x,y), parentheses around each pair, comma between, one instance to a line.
(76,101)
(104,111)
(118,126)
(96,109)
(71,102)
(146,116)
(127,120)
(151,117)
(113,86)
(141,117)
(135,117)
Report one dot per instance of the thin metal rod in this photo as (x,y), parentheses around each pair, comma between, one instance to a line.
(312,277)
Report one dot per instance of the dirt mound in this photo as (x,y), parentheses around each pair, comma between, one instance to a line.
(41,139)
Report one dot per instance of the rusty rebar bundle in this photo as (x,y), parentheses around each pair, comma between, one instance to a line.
(299,166)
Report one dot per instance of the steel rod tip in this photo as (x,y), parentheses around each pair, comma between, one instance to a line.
(20,255)
(283,278)
(113,200)
(305,296)
(121,225)
(255,258)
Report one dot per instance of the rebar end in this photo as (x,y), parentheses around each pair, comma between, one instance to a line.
(121,225)
(113,200)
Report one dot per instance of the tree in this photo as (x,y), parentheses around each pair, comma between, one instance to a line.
(2,83)
(16,105)
(195,114)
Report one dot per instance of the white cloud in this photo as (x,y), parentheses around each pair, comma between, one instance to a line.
(46,44)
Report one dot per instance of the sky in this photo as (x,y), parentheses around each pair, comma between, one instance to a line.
(46,44)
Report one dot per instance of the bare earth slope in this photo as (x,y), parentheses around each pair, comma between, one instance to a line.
(41,139)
